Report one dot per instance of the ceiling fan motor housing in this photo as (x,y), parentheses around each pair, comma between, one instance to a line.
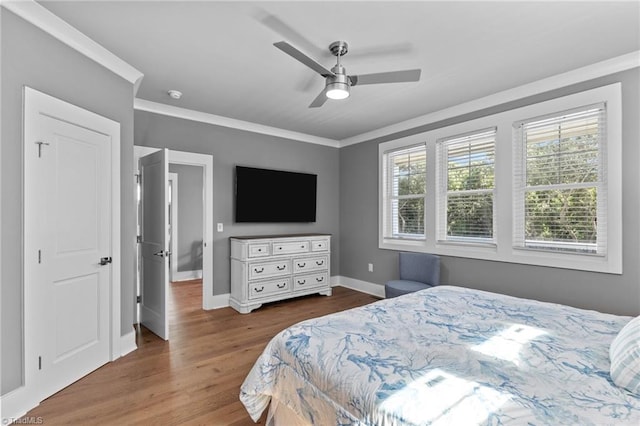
(340,75)
(337,85)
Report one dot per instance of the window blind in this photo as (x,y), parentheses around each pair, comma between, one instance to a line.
(405,188)
(560,190)
(466,187)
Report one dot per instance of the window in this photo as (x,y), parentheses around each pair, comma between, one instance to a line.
(404,196)
(560,190)
(539,184)
(466,187)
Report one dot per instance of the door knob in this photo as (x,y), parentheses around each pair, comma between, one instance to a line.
(105,260)
(162,253)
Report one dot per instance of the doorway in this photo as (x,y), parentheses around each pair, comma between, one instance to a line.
(186,222)
(173,224)
(204,163)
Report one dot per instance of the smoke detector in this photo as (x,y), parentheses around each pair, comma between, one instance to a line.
(175,94)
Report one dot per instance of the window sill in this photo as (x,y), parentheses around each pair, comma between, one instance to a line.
(508,254)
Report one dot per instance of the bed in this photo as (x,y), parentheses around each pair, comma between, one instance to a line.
(446,355)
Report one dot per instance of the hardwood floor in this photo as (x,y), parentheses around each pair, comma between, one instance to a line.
(195,377)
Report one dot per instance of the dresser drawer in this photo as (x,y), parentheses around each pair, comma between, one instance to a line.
(290,247)
(301,282)
(268,288)
(258,250)
(269,269)
(310,264)
(321,245)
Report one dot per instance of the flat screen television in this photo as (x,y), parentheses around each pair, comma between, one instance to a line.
(263,195)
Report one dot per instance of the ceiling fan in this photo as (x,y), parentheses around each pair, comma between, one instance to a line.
(337,82)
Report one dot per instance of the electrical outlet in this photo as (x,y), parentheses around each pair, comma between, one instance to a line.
(371,267)
(220,227)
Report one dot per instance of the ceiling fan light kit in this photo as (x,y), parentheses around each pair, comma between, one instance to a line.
(337,83)
(337,91)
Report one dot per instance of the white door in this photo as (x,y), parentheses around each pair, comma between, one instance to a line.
(68,247)
(154,262)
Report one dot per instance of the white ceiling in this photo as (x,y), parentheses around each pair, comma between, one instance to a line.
(220,54)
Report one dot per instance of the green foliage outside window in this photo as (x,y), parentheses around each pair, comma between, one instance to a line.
(469,208)
(409,186)
(562,172)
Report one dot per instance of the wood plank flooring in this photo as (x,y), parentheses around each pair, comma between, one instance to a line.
(195,377)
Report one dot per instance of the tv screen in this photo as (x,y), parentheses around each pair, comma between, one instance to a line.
(274,195)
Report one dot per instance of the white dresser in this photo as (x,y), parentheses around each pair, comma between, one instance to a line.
(270,268)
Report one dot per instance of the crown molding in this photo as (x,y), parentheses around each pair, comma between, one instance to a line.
(589,72)
(42,18)
(218,120)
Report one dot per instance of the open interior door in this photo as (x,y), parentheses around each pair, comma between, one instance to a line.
(154,247)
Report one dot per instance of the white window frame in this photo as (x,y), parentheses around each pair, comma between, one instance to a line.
(503,250)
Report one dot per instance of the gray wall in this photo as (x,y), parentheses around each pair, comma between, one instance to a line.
(190,217)
(619,294)
(31,57)
(231,147)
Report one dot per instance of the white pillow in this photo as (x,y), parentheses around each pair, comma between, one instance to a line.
(624,353)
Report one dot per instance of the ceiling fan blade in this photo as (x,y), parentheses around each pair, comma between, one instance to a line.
(319,100)
(287,32)
(296,54)
(386,77)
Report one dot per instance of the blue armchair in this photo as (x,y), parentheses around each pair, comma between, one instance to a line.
(417,272)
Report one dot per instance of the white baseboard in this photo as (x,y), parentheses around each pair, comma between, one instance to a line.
(187,275)
(218,301)
(128,343)
(16,404)
(358,285)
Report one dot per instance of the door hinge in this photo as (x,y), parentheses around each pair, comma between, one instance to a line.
(138,299)
(138,238)
(39,363)
(39,256)
(138,178)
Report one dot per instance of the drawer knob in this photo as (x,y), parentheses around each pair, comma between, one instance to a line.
(320,279)
(302,265)
(283,285)
(258,290)
(303,282)
(320,263)
(281,268)
(258,271)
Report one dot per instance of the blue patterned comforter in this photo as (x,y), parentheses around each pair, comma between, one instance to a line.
(446,355)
